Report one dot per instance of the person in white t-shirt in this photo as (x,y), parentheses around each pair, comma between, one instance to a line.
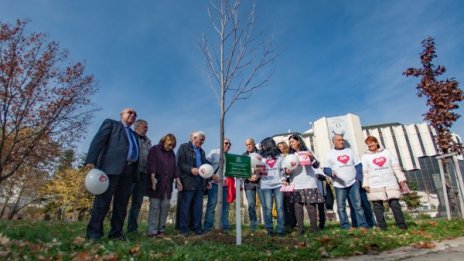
(342,164)
(304,179)
(270,182)
(383,181)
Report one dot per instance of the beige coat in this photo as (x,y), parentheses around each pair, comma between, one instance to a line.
(387,192)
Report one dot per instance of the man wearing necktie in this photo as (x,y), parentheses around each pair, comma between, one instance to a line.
(115,151)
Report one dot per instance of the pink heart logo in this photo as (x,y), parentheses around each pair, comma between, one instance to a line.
(379,161)
(102,178)
(203,171)
(293,163)
(271,162)
(343,158)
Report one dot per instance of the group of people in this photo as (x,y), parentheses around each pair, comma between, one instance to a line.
(136,169)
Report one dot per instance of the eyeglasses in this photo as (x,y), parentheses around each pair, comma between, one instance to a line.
(227,143)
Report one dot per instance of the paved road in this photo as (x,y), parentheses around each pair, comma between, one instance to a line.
(444,250)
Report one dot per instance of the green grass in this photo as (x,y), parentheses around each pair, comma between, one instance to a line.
(51,240)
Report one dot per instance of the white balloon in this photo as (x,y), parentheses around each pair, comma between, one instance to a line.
(256,159)
(291,161)
(96,181)
(206,171)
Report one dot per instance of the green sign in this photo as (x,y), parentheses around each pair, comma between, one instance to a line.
(238,166)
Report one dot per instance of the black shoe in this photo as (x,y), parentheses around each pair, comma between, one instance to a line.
(270,233)
(134,232)
(199,232)
(120,237)
(94,238)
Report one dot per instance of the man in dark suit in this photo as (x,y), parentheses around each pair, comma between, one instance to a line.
(114,150)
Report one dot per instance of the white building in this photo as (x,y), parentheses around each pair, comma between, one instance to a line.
(413,144)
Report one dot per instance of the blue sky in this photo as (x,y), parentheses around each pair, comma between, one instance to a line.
(335,57)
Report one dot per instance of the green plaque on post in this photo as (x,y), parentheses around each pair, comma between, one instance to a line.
(238,166)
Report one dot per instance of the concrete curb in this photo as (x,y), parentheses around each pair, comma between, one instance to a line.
(410,251)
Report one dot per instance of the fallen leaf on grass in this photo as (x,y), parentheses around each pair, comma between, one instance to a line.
(4,240)
(301,244)
(433,223)
(78,240)
(5,253)
(82,256)
(323,252)
(423,245)
(373,249)
(134,250)
(324,239)
(421,233)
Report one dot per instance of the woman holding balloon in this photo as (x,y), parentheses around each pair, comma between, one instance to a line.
(304,180)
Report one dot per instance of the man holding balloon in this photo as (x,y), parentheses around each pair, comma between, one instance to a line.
(115,151)
(190,156)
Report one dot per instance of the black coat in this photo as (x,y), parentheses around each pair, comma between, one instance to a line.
(109,148)
(186,160)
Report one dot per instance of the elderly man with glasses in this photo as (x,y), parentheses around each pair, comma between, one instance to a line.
(115,151)
(214,157)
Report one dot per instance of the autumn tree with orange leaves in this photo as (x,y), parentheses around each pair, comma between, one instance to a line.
(443,97)
(44,99)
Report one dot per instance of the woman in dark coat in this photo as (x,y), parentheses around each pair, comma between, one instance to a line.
(162,170)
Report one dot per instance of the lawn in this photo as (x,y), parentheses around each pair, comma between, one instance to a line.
(51,240)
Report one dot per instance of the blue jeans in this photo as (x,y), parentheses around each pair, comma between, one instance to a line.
(351,192)
(211,208)
(137,191)
(251,198)
(190,197)
(366,205)
(269,196)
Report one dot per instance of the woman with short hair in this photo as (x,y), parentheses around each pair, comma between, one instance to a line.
(162,169)
(383,181)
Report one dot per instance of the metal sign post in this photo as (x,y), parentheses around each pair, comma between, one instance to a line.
(459,182)
(238,166)
(445,189)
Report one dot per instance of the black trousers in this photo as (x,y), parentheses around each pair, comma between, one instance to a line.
(119,190)
(397,213)
(321,213)
(289,211)
(312,214)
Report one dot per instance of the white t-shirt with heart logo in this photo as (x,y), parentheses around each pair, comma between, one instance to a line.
(274,175)
(379,168)
(343,162)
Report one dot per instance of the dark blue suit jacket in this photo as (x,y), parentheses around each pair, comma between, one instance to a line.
(109,148)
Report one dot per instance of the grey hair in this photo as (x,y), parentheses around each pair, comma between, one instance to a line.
(199,133)
(335,135)
(252,140)
(139,122)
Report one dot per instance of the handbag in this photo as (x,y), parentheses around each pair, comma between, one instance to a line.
(289,188)
(329,196)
